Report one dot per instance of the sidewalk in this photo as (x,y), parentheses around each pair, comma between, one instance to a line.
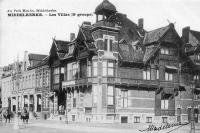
(98,127)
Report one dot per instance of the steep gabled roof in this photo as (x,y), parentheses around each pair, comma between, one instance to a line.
(129,31)
(155,35)
(129,54)
(61,45)
(87,33)
(196,34)
(37,57)
(43,62)
(149,52)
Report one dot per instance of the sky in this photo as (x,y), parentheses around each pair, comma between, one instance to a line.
(34,34)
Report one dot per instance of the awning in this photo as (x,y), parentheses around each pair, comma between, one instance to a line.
(167,92)
(171,67)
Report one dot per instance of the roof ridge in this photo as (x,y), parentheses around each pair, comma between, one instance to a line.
(158,29)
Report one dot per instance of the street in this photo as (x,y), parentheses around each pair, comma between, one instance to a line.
(52,126)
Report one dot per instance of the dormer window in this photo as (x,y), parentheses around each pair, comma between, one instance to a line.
(108,43)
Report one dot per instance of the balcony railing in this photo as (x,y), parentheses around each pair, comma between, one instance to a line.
(133,82)
(167,112)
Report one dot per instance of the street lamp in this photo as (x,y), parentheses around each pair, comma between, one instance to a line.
(192,116)
(16,124)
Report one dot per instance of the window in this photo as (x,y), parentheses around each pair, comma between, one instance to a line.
(147,74)
(198,57)
(74,102)
(124,98)
(40,79)
(110,95)
(95,68)
(168,76)
(89,69)
(164,104)
(164,51)
(72,71)
(157,74)
(104,68)
(148,119)
(56,75)
(164,119)
(108,43)
(95,87)
(196,77)
(110,69)
(69,71)
(136,119)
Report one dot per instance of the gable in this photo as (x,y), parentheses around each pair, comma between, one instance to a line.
(171,36)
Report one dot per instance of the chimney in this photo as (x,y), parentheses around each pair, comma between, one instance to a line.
(140,23)
(185,34)
(72,36)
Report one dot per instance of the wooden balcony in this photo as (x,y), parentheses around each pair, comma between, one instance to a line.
(137,82)
(167,112)
(169,84)
(168,57)
(80,81)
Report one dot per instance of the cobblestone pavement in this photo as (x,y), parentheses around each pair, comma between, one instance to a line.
(53,126)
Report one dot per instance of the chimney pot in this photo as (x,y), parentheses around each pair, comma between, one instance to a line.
(140,23)
(72,36)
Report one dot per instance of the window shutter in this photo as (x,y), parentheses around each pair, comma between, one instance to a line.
(105,44)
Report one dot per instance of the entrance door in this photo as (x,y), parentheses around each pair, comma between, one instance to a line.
(196,115)
(189,114)
(124,119)
(178,115)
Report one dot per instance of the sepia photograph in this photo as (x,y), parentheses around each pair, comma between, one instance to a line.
(99,66)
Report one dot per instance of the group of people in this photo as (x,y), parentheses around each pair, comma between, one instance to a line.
(24,115)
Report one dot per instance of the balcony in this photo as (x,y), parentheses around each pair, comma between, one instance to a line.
(137,82)
(167,112)
(78,81)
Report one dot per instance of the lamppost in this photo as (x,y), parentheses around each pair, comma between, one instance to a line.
(192,116)
(16,124)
